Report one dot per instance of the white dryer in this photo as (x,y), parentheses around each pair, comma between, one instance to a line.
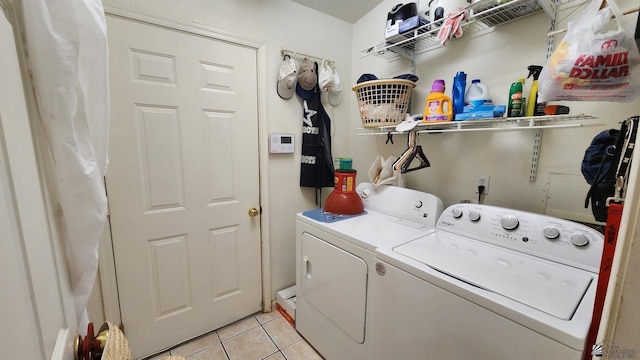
(489,283)
(336,259)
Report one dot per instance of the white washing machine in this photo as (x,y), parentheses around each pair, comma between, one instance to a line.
(336,260)
(489,283)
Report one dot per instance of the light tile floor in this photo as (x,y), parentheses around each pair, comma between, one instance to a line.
(261,336)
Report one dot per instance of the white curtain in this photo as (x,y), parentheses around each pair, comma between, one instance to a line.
(68,56)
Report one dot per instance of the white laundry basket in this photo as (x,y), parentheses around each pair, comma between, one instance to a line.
(383,102)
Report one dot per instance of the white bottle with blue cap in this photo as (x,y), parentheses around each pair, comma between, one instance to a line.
(477,95)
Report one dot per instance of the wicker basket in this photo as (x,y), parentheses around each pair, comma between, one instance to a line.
(383,102)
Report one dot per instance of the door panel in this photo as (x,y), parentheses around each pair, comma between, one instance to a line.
(183,173)
(158,131)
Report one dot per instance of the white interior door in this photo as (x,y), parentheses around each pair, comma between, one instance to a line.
(183,174)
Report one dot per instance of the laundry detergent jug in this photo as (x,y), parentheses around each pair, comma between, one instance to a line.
(458,92)
(438,105)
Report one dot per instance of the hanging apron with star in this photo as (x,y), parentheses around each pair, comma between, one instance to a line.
(316,168)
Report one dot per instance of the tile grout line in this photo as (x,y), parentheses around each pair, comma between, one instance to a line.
(222,345)
(243,332)
(238,334)
(221,342)
(270,338)
(280,350)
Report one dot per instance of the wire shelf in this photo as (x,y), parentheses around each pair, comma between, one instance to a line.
(495,124)
(485,14)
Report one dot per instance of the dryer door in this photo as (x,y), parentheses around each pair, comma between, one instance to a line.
(334,283)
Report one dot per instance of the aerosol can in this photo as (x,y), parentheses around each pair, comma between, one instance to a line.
(514,104)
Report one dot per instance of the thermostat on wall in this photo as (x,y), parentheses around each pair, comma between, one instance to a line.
(281,143)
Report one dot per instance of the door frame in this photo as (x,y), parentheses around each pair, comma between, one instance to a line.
(106,264)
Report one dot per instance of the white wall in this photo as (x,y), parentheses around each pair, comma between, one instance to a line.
(279,24)
(498,58)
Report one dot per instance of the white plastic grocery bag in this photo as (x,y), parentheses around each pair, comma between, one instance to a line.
(597,60)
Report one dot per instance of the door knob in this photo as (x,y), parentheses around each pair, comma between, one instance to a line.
(253,212)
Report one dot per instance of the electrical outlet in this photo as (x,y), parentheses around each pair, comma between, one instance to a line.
(484,181)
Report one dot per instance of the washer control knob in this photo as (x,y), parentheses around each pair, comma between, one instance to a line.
(418,204)
(579,239)
(365,193)
(474,216)
(509,222)
(456,212)
(551,232)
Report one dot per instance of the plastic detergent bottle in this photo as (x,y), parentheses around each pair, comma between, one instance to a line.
(514,105)
(477,95)
(458,92)
(438,105)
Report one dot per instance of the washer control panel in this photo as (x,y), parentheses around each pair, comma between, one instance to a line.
(555,239)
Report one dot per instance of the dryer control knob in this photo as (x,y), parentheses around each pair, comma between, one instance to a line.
(579,239)
(509,222)
(474,216)
(364,190)
(551,232)
(418,204)
(456,212)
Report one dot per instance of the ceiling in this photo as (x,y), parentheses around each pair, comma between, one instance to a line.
(347,10)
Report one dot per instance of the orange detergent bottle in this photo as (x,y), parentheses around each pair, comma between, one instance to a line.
(438,105)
